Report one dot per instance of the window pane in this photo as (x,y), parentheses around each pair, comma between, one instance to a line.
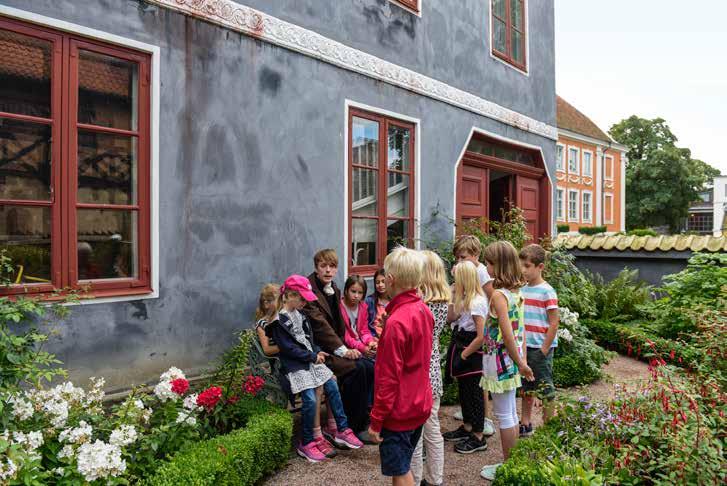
(397,234)
(517,46)
(397,202)
(107,91)
(363,241)
(498,8)
(516,13)
(107,244)
(364,186)
(25,160)
(25,74)
(398,155)
(365,135)
(559,157)
(25,234)
(498,36)
(107,168)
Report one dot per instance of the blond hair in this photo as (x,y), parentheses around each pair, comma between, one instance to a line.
(468,244)
(434,284)
(405,266)
(466,286)
(269,292)
(504,259)
(327,255)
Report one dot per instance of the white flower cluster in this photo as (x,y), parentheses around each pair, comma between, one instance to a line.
(96,393)
(55,403)
(67,452)
(30,442)
(568,317)
(77,435)
(190,402)
(123,436)
(163,390)
(22,408)
(564,334)
(100,460)
(8,470)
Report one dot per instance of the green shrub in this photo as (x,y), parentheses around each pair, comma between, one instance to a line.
(622,297)
(641,232)
(575,291)
(578,359)
(241,457)
(563,228)
(592,230)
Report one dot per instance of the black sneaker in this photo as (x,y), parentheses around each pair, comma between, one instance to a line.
(526,430)
(472,444)
(456,435)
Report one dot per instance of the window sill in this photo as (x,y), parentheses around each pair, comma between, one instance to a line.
(88,297)
(521,68)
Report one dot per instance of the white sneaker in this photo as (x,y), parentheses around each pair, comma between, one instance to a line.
(489,428)
(458,415)
(488,472)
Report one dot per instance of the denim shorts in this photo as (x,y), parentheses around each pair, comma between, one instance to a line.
(396,451)
(542,367)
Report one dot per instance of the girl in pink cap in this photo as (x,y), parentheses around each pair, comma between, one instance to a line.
(303,361)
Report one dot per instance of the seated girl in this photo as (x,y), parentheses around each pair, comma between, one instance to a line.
(267,312)
(376,304)
(354,313)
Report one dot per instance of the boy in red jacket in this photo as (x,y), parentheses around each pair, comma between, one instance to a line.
(403,394)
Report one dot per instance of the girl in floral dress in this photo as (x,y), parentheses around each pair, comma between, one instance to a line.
(503,361)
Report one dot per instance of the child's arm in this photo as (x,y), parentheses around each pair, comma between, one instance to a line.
(499,303)
(451,314)
(363,328)
(389,363)
(476,343)
(489,289)
(290,348)
(268,349)
(553,323)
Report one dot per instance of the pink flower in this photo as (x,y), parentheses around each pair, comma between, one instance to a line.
(253,384)
(180,386)
(210,397)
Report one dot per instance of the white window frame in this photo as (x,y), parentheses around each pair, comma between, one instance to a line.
(583,162)
(590,206)
(577,199)
(560,164)
(560,205)
(577,170)
(606,219)
(608,159)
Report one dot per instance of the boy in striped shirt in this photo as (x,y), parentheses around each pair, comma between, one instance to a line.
(541,327)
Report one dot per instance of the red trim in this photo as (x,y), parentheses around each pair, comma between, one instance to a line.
(536,329)
(521,29)
(63,202)
(412,4)
(541,303)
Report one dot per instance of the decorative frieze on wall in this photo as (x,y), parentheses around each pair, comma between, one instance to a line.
(270,29)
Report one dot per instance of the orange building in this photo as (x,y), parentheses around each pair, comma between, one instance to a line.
(590,173)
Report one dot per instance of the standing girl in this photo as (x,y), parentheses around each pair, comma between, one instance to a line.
(267,312)
(376,303)
(465,357)
(303,360)
(354,312)
(436,294)
(503,362)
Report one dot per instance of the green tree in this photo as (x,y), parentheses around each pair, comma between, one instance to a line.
(661,178)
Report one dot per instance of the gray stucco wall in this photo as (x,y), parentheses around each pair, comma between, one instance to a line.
(652,266)
(252,168)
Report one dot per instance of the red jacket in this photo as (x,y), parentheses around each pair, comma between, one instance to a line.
(403,394)
(362,337)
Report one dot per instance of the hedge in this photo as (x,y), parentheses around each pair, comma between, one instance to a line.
(563,228)
(592,230)
(241,457)
(525,465)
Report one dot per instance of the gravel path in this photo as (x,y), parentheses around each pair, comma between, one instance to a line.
(362,466)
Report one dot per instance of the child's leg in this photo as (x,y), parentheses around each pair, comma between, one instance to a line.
(308,413)
(335,404)
(528,401)
(317,421)
(405,480)
(477,407)
(465,402)
(433,441)
(417,461)
(504,406)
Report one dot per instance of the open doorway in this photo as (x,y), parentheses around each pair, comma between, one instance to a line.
(500,193)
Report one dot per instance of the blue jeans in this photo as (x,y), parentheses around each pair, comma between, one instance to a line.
(308,412)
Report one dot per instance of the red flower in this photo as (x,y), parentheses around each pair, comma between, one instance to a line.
(253,384)
(210,397)
(671,355)
(233,399)
(180,386)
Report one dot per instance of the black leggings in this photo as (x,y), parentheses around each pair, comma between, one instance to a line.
(472,401)
(356,388)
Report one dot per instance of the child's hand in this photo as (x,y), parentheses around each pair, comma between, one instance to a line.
(352,354)
(321,357)
(527,372)
(374,344)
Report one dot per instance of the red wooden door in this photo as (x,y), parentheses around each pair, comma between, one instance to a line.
(528,199)
(472,194)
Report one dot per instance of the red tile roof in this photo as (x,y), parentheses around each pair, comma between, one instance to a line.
(569,118)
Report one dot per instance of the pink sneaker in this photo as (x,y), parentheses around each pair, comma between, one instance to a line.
(325,447)
(330,434)
(310,451)
(348,439)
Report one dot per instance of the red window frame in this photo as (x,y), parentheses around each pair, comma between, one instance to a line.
(382,174)
(64,163)
(412,4)
(507,55)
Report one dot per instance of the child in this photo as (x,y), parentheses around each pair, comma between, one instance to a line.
(403,395)
(468,248)
(376,303)
(541,322)
(355,316)
(436,294)
(303,361)
(266,313)
(503,362)
(465,358)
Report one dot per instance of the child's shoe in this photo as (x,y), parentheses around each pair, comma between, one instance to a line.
(472,444)
(458,415)
(526,430)
(456,435)
(488,428)
(310,451)
(346,438)
(329,433)
(325,447)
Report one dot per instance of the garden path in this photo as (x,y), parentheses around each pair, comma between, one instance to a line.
(362,467)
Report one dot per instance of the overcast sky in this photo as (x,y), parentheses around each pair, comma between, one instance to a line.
(666,58)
